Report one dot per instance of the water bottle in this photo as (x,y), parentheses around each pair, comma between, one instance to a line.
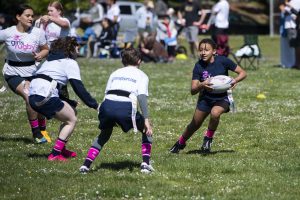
(231,101)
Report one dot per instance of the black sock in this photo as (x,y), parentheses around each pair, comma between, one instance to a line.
(36,133)
(87,163)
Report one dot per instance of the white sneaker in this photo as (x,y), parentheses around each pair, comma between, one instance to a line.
(84,169)
(3,89)
(147,169)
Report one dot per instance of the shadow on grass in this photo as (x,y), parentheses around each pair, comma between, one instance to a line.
(36,155)
(130,165)
(198,151)
(16,139)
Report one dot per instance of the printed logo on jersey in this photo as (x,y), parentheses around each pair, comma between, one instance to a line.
(21,45)
(205,75)
(51,34)
(124,79)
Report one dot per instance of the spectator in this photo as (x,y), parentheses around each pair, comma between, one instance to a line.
(294,7)
(113,14)
(25,45)
(160,8)
(220,21)
(92,21)
(167,35)
(104,40)
(152,50)
(189,17)
(287,53)
(145,18)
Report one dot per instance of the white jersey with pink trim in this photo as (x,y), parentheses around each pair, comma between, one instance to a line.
(130,79)
(20,48)
(54,31)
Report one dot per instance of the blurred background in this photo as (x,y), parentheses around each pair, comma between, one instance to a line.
(246,16)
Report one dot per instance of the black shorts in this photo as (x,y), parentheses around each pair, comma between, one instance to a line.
(14,81)
(117,112)
(49,109)
(206,105)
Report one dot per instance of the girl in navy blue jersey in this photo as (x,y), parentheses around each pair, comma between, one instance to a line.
(208,103)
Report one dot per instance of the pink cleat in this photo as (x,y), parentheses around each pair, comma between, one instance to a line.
(59,157)
(68,154)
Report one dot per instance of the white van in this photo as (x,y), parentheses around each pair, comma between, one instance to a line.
(128,10)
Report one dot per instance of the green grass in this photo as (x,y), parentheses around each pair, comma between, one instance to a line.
(256,149)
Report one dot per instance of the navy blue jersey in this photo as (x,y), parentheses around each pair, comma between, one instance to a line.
(203,70)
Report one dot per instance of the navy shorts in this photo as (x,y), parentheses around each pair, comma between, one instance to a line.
(206,105)
(49,109)
(118,112)
(14,81)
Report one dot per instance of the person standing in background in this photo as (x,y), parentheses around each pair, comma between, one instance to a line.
(287,53)
(220,21)
(189,17)
(25,45)
(113,14)
(145,19)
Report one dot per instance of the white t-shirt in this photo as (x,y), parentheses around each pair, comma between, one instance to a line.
(19,48)
(144,17)
(54,31)
(130,79)
(113,11)
(60,70)
(222,10)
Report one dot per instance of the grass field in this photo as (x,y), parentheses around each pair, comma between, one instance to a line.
(255,152)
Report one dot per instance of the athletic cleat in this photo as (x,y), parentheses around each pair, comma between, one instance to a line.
(68,154)
(206,146)
(145,168)
(46,136)
(84,169)
(40,140)
(59,157)
(177,147)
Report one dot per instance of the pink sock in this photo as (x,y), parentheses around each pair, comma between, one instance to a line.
(209,133)
(59,145)
(34,123)
(146,152)
(146,149)
(181,140)
(92,153)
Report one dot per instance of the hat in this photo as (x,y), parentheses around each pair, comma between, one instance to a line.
(150,4)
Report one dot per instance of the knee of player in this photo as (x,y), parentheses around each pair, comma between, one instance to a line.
(215,114)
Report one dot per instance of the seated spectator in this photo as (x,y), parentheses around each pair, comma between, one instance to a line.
(152,50)
(104,40)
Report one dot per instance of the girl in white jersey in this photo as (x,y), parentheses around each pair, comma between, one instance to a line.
(54,24)
(59,69)
(124,88)
(25,45)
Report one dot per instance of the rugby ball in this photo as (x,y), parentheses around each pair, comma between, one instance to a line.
(220,83)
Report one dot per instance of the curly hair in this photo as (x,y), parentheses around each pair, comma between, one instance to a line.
(67,45)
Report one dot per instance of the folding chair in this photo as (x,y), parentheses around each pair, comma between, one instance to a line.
(249,54)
